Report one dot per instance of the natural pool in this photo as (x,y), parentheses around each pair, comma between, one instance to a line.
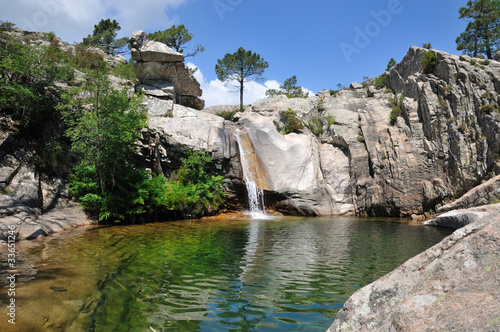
(233,274)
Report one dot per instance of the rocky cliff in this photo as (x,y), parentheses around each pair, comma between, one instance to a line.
(445,141)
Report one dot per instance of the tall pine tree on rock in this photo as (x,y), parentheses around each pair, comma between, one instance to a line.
(241,66)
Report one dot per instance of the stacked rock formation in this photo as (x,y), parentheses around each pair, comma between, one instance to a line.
(162,73)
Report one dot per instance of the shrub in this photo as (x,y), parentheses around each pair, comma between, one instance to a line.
(316,126)
(330,120)
(321,105)
(51,36)
(443,104)
(380,82)
(6,26)
(448,88)
(291,123)
(462,128)
(428,62)
(487,109)
(227,115)
(125,71)
(360,138)
(86,60)
(396,110)
(488,96)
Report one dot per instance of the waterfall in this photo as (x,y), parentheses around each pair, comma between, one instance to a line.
(253,175)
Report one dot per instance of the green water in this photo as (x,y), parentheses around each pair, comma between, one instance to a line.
(286,274)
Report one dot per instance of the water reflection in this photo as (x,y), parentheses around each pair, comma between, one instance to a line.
(272,275)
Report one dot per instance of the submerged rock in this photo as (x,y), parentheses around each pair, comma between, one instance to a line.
(453,286)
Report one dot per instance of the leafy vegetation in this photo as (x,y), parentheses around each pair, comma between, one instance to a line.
(488,109)
(291,123)
(390,64)
(6,26)
(380,82)
(396,111)
(85,60)
(228,115)
(482,34)
(240,66)
(428,62)
(176,37)
(104,36)
(27,81)
(104,125)
(289,88)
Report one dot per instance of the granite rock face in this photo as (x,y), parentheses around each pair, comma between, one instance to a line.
(162,73)
(453,286)
(444,141)
(486,193)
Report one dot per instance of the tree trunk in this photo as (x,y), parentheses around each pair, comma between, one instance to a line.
(476,38)
(241,96)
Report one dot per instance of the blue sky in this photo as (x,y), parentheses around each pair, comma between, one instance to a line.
(323,43)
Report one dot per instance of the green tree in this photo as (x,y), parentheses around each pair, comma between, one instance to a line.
(390,64)
(176,37)
(241,66)
(482,34)
(289,88)
(27,81)
(104,125)
(6,26)
(104,36)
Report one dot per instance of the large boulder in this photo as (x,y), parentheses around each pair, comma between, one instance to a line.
(460,218)
(453,286)
(162,72)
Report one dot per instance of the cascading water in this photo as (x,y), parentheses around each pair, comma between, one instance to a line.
(250,166)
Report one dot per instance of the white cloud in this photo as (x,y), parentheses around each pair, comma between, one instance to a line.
(217,92)
(72,20)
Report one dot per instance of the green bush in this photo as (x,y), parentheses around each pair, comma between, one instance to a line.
(291,123)
(396,110)
(316,126)
(27,81)
(330,120)
(462,128)
(380,82)
(228,115)
(428,62)
(488,109)
(6,26)
(85,60)
(125,71)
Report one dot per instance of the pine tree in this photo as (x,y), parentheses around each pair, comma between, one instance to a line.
(176,37)
(240,66)
(482,35)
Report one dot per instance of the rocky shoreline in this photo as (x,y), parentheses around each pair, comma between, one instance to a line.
(453,286)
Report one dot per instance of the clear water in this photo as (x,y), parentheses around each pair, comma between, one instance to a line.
(284,274)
